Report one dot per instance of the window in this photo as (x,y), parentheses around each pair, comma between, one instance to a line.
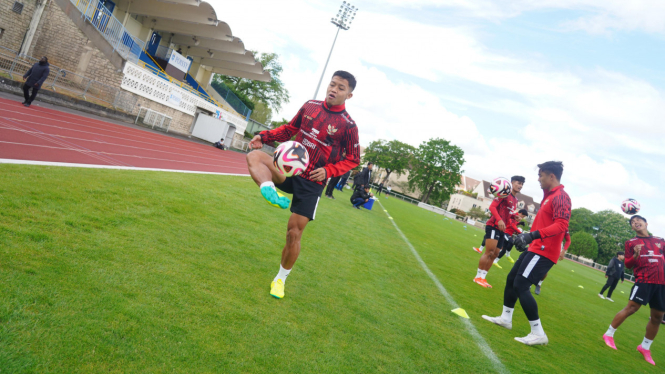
(17,8)
(474,205)
(2,32)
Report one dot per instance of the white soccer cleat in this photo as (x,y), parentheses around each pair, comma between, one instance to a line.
(608,299)
(532,339)
(499,321)
(601,296)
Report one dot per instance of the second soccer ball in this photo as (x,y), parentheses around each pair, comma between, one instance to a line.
(500,187)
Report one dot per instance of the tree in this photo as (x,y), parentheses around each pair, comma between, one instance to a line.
(613,231)
(276,124)
(436,169)
(261,113)
(477,213)
(459,212)
(583,244)
(273,94)
(394,156)
(581,220)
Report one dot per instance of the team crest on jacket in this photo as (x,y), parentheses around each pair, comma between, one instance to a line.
(658,245)
(331,130)
(545,202)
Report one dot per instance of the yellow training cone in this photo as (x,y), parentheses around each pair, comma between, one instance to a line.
(580,287)
(460,312)
(573,271)
(390,217)
(622,292)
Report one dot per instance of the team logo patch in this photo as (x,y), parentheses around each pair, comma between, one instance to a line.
(331,130)
(658,245)
(545,202)
(308,117)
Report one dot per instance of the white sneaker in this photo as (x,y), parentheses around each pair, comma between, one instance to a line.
(499,321)
(608,299)
(532,339)
(601,296)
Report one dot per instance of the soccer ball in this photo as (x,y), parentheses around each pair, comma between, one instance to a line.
(630,206)
(291,158)
(500,188)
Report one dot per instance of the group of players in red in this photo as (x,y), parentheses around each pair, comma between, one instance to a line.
(332,136)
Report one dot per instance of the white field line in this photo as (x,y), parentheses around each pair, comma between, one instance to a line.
(480,341)
(91,166)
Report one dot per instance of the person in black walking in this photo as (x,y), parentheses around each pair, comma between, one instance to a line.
(34,79)
(331,187)
(615,270)
(363,178)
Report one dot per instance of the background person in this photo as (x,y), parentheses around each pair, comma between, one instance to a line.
(363,178)
(360,197)
(613,274)
(34,78)
(331,187)
(342,181)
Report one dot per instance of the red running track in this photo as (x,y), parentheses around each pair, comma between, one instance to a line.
(42,134)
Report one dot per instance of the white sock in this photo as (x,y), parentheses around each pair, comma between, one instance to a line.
(271,184)
(611,331)
(283,273)
(496,260)
(540,283)
(646,343)
(483,273)
(508,253)
(479,273)
(507,314)
(482,247)
(537,328)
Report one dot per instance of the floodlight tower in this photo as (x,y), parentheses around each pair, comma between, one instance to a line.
(342,20)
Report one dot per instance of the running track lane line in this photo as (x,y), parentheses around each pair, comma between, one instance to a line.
(480,341)
(93,166)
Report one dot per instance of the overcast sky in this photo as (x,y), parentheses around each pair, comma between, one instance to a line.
(513,83)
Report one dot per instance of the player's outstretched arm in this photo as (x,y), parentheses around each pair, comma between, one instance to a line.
(352,159)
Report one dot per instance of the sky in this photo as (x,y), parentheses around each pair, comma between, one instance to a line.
(513,83)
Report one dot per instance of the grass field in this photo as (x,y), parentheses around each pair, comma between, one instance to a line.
(127,272)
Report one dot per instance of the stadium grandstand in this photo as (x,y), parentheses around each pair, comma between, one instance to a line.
(133,55)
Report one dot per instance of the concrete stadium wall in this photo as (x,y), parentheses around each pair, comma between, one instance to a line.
(15,25)
(66,46)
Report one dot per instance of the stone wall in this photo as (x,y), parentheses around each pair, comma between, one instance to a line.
(181,122)
(67,47)
(15,25)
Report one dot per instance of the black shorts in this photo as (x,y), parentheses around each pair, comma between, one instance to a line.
(492,232)
(306,195)
(532,266)
(647,293)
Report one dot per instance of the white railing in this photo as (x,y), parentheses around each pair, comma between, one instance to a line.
(127,45)
(592,264)
(144,82)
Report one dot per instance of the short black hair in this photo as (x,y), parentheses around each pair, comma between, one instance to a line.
(367,187)
(518,178)
(552,167)
(523,212)
(348,76)
(620,253)
(370,163)
(636,216)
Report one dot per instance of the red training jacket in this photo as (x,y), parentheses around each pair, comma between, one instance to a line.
(502,210)
(552,223)
(650,265)
(327,134)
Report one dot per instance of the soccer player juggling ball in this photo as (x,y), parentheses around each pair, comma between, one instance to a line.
(328,132)
(644,253)
(544,250)
(503,211)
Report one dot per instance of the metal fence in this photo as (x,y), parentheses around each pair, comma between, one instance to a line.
(231,98)
(127,45)
(65,81)
(397,195)
(153,119)
(254,126)
(592,264)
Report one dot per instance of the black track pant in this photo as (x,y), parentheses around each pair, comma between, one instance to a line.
(529,269)
(331,185)
(611,284)
(26,93)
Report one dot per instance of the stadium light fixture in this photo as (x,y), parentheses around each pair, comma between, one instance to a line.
(345,16)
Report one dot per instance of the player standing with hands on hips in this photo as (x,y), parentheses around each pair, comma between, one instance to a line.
(544,250)
(327,132)
(644,253)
